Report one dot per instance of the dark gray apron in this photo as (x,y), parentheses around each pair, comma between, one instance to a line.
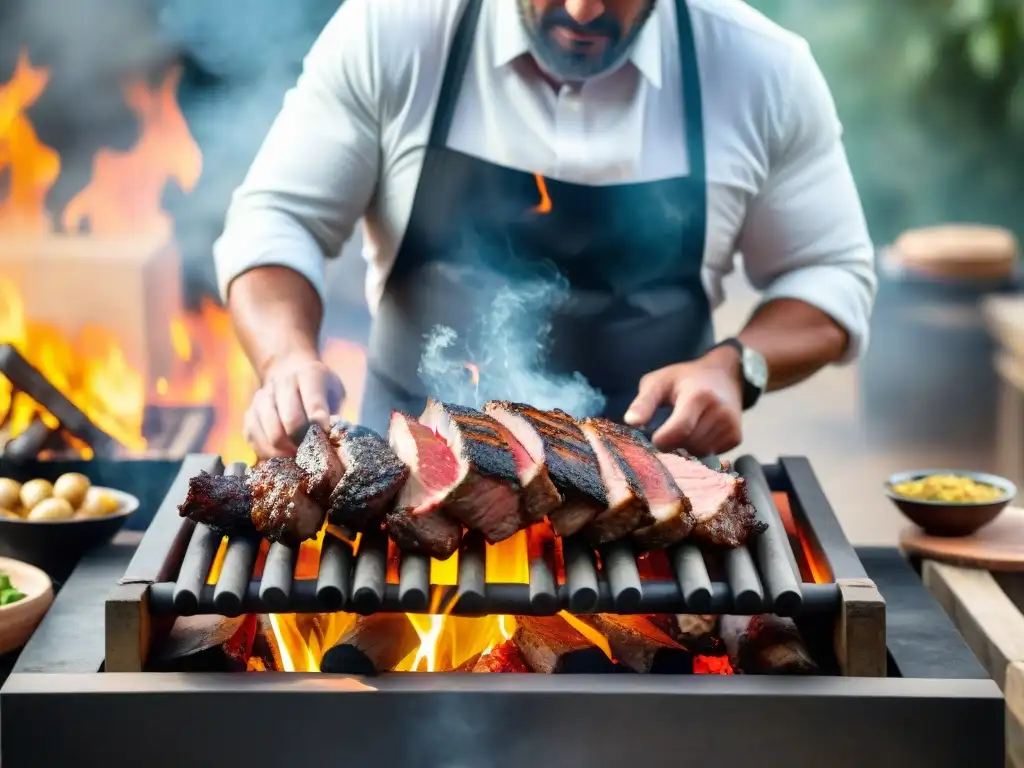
(630,255)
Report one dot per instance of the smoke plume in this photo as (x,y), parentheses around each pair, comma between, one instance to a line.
(509,351)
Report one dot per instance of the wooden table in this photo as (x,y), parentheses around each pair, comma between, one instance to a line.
(988,609)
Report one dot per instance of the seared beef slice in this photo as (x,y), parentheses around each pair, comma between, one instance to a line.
(626,505)
(487,499)
(572,465)
(721,512)
(318,458)
(282,509)
(538,496)
(417,523)
(669,509)
(372,477)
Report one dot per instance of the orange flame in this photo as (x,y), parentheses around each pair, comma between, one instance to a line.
(31,166)
(544,206)
(88,361)
(124,196)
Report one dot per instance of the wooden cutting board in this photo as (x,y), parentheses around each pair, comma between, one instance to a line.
(999,546)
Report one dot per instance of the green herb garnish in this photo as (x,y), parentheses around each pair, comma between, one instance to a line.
(8,594)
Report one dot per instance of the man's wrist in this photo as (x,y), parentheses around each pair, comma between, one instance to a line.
(301,352)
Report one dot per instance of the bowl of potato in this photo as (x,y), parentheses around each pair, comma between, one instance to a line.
(52,524)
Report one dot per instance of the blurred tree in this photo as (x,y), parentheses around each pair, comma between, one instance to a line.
(931,93)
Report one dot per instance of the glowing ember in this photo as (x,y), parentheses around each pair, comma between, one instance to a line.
(544,206)
(712,665)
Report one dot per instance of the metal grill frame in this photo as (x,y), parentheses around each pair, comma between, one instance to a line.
(762,577)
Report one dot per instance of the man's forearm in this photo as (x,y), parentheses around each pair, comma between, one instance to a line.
(276,313)
(795,338)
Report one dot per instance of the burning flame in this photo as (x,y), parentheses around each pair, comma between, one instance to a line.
(544,206)
(31,167)
(124,196)
(89,362)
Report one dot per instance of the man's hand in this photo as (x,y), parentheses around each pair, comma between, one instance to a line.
(706,396)
(297,390)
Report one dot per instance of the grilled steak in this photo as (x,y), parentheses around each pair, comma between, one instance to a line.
(417,523)
(720,509)
(373,476)
(487,498)
(223,502)
(318,458)
(670,516)
(282,509)
(538,496)
(626,504)
(571,463)
(272,502)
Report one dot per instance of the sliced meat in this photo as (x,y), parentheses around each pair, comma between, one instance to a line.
(282,509)
(721,512)
(626,505)
(538,496)
(417,523)
(571,463)
(372,477)
(487,499)
(223,502)
(318,458)
(670,510)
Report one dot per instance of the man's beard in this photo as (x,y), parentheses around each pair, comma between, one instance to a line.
(581,63)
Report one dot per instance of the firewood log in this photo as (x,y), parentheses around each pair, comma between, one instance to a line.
(641,646)
(504,657)
(206,644)
(766,645)
(373,644)
(265,646)
(549,645)
(695,632)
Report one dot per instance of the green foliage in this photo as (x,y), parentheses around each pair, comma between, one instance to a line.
(931,93)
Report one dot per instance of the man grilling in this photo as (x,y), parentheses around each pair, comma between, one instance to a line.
(668,135)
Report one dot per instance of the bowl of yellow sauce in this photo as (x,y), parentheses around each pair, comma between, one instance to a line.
(950,502)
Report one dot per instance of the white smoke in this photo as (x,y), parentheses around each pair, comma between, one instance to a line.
(509,351)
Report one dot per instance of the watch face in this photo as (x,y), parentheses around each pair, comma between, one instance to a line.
(755,368)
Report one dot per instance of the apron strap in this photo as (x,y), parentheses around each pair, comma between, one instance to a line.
(693,109)
(454,70)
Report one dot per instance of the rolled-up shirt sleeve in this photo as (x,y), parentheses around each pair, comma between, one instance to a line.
(805,236)
(316,171)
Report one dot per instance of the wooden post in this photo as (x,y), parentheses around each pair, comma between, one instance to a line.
(129,629)
(860,630)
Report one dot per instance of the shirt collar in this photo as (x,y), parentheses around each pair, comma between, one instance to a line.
(510,40)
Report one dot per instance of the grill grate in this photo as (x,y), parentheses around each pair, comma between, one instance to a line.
(762,577)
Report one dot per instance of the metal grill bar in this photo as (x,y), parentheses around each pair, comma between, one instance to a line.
(763,578)
(660,596)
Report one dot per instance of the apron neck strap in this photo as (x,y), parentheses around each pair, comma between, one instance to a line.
(462,47)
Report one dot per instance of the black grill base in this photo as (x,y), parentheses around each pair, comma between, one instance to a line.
(504,721)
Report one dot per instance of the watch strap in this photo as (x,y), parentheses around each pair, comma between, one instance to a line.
(751,393)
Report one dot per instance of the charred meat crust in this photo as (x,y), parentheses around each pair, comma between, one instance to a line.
(618,520)
(223,502)
(374,475)
(570,459)
(483,444)
(432,533)
(282,509)
(317,457)
(733,522)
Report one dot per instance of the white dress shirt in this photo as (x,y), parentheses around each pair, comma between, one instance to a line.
(349,143)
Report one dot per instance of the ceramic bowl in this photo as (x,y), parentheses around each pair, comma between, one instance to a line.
(946,518)
(53,544)
(19,620)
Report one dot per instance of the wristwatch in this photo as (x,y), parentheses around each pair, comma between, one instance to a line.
(753,370)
